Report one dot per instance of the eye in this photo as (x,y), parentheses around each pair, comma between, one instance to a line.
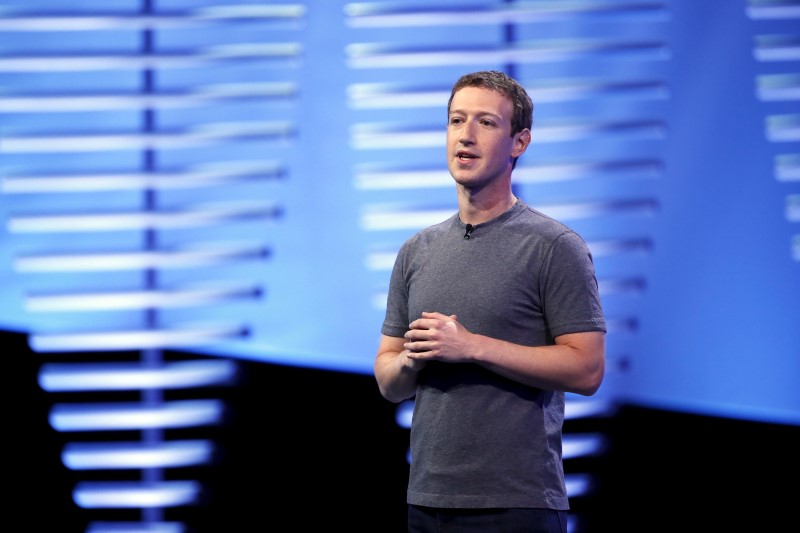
(486,122)
(455,120)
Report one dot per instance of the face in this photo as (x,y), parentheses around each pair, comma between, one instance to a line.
(480,148)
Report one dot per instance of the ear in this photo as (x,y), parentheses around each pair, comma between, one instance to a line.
(521,142)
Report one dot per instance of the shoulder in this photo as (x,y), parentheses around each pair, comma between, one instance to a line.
(544,226)
(429,235)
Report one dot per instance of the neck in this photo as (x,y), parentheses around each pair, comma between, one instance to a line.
(475,209)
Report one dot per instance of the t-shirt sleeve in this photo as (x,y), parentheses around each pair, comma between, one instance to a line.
(395,323)
(571,294)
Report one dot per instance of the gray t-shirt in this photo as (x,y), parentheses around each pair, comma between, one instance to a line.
(479,440)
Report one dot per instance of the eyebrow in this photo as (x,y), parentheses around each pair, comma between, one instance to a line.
(479,114)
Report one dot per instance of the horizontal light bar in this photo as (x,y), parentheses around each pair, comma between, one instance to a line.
(113,416)
(70,103)
(248,12)
(136,455)
(777,10)
(578,484)
(20,22)
(381,260)
(629,285)
(200,58)
(579,408)
(72,377)
(197,216)
(117,495)
(620,246)
(582,445)
(639,169)
(378,56)
(777,48)
(792,209)
(591,89)
(787,167)
(783,128)
(642,207)
(145,299)
(365,137)
(374,15)
(403,220)
(364,96)
(196,137)
(161,259)
(136,527)
(778,87)
(134,339)
(141,180)
(419,179)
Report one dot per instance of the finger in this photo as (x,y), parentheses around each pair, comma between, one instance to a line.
(423,324)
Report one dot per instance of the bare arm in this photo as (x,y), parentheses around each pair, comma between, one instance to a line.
(395,372)
(576,363)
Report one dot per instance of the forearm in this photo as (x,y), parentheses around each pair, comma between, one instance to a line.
(395,372)
(396,377)
(576,363)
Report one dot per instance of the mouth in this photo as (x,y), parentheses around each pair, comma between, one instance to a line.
(463,155)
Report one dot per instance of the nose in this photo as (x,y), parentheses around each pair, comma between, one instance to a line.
(465,136)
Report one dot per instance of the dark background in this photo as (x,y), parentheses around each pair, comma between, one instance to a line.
(314,450)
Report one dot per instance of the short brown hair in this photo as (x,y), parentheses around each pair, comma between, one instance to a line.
(506,85)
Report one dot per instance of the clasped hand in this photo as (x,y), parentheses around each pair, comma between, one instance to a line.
(435,336)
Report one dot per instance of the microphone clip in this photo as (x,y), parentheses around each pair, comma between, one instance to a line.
(468,231)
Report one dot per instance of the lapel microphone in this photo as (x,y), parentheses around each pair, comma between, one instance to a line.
(470,227)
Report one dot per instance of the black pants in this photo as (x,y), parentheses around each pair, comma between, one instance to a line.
(436,520)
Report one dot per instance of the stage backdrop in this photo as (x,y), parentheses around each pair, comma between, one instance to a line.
(235,179)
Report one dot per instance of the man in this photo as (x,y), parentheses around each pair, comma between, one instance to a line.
(492,316)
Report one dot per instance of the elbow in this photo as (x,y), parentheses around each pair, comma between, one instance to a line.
(392,395)
(390,391)
(387,394)
(589,389)
(591,381)
(394,399)
(588,365)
